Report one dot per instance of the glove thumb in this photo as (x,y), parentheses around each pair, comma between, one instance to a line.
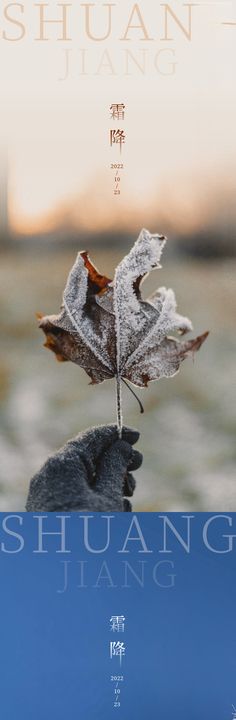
(112,469)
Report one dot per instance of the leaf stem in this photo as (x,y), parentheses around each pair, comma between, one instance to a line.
(134,394)
(119,405)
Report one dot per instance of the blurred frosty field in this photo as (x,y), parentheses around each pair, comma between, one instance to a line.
(188,429)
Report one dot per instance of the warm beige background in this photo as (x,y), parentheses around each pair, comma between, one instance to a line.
(180,150)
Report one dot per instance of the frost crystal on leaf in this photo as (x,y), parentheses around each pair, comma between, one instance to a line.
(110,331)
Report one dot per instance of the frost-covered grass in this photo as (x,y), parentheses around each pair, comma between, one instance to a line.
(188,430)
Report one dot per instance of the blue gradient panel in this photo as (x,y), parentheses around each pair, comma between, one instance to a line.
(180,632)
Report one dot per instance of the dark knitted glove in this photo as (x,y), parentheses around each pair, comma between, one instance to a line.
(91,472)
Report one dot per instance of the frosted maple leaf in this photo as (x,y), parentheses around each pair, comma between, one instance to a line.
(109,330)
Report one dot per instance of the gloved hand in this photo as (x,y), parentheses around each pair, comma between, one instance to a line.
(91,472)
